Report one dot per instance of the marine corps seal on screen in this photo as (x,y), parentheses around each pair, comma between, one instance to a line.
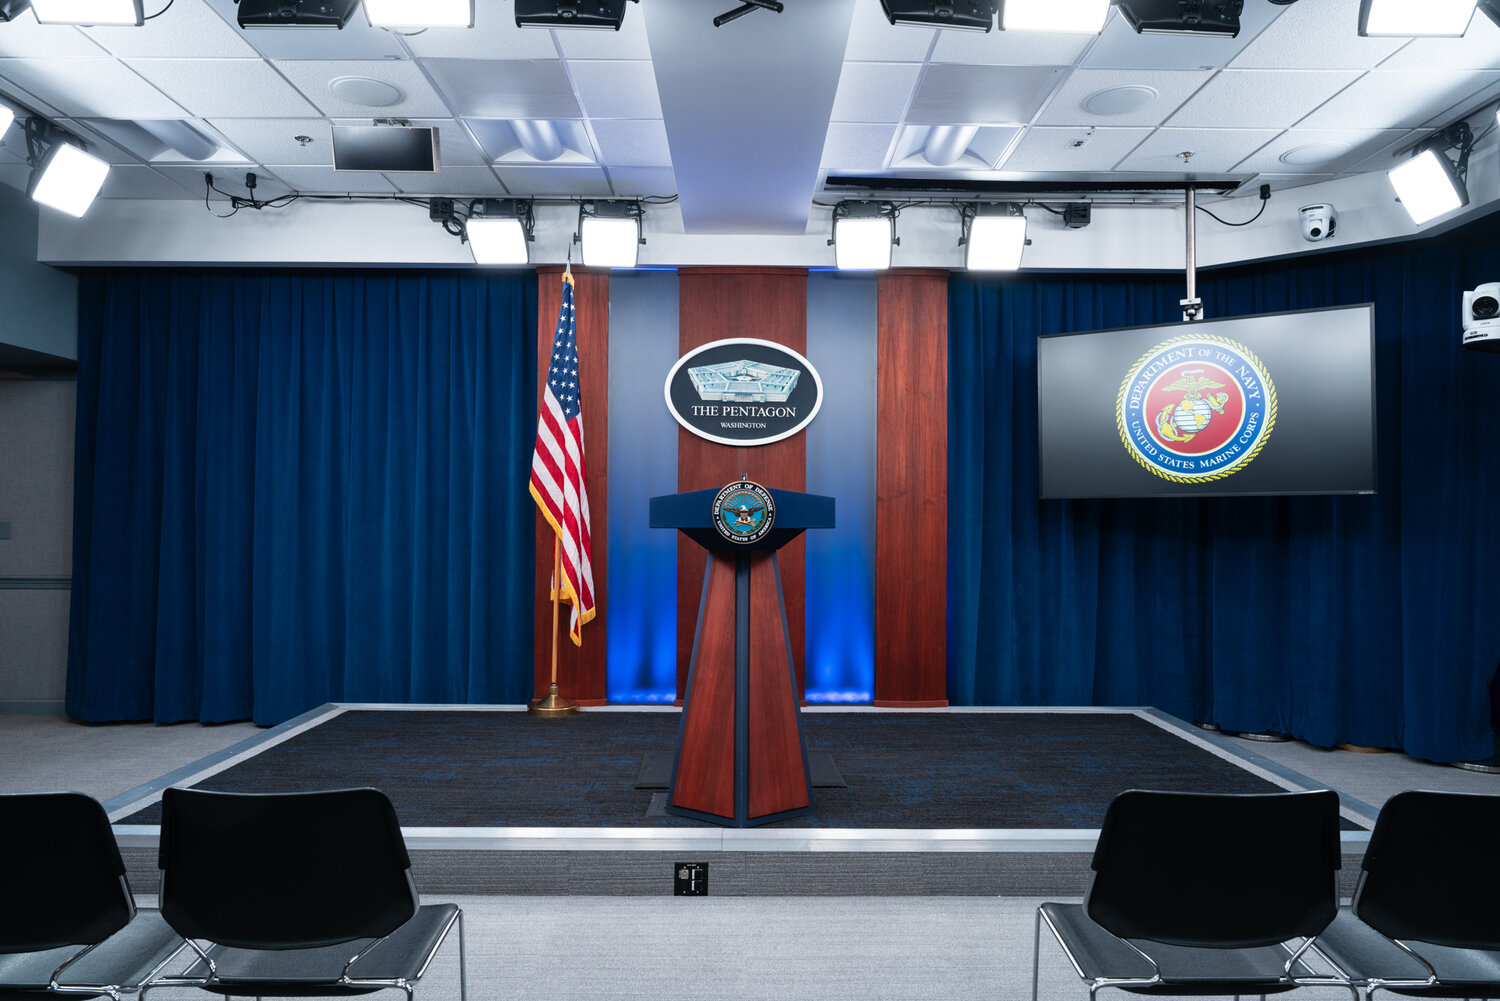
(1196,408)
(744,512)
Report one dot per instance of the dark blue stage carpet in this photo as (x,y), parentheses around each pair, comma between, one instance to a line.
(456,768)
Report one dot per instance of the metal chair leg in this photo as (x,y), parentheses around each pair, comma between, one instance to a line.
(1036,952)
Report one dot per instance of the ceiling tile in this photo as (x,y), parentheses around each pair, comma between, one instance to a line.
(466,182)
(184,29)
(144,182)
(190,178)
(1397,98)
(208,88)
(1319,151)
(1260,98)
(1301,38)
(1478,49)
(630,42)
(494,36)
(24,37)
(90,88)
(954,94)
(270,140)
(1172,88)
(874,92)
(327,181)
(616,88)
(1050,150)
(506,88)
(633,143)
(315,79)
(1119,47)
(874,39)
(1214,151)
(856,148)
(1011,48)
(559,181)
(643,182)
(1470,103)
(357,40)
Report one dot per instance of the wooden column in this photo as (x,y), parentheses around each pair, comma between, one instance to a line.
(714,304)
(911,502)
(580,670)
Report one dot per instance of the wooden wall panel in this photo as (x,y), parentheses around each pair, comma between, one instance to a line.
(716,303)
(580,670)
(911,475)
(778,777)
(704,779)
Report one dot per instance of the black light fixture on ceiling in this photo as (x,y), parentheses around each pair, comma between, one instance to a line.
(570,14)
(499,229)
(863,235)
(610,233)
(63,176)
(295,13)
(11,9)
(1176,17)
(1429,184)
(972,15)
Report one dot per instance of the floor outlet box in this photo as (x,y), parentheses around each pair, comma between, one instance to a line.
(690,879)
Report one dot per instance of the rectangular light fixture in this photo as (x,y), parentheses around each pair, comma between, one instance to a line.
(1410,18)
(996,241)
(91,12)
(1183,17)
(972,15)
(68,179)
(420,13)
(863,234)
(7,115)
(496,241)
(295,13)
(570,14)
(1428,187)
(610,234)
(1081,17)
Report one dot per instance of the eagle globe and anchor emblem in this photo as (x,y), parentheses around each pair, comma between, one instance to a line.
(744,512)
(1196,408)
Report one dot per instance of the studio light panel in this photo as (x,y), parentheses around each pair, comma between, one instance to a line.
(69,179)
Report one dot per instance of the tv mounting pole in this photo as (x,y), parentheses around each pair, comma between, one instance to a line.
(1192,306)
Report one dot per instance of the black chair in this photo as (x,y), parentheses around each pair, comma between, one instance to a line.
(1425,921)
(296,895)
(69,923)
(1199,894)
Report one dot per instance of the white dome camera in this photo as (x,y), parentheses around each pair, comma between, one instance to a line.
(1482,317)
(1318,222)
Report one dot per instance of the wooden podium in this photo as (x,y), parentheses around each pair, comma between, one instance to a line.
(741,760)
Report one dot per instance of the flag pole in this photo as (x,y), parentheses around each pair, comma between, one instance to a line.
(554,705)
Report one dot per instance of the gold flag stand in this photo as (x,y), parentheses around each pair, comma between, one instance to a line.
(554,705)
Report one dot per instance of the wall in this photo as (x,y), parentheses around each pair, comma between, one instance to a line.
(36,504)
(41,302)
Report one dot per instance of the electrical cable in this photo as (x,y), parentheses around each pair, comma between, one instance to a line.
(159,13)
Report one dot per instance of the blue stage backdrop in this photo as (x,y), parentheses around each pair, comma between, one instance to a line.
(1352,619)
(300,488)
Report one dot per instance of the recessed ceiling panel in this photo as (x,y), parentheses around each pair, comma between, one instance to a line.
(856,148)
(566,182)
(1072,103)
(1260,98)
(1301,39)
(615,88)
(1201,151)
(1315,151)
(633,143)
(1050,150)
(184,29)
(874,39)
(24,37)
(1397,98)
(273,140)
(1119,47)
(765,82)
(875,92)
(240,88)
(954,93)
(528,88)
(90,88)
(415,97)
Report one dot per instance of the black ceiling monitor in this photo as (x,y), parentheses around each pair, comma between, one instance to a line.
(295,13)
(570,13)
(385,148)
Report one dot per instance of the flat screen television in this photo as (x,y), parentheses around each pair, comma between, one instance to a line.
(1280,403)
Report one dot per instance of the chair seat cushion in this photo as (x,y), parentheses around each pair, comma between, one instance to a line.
(126,959)
(402,955)
(1184,970)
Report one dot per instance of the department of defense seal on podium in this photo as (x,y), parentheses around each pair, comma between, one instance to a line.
(744,512)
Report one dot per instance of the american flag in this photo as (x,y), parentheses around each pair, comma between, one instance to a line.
(557,481)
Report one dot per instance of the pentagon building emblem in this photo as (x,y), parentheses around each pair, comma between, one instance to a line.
(743,391)
(744,381)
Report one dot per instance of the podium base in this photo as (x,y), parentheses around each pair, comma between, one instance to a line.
(552,706)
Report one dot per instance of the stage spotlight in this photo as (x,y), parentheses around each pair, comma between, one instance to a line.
(610,233)
(295,13)
(972,15)
(1408,18)
(995,238)
(89,12)
(11,9)
(6,117)
(420,13)
(863,235)
(499,229)
(1428,186)
(1083,17)
(1178,17)
(68,179)
(570,13)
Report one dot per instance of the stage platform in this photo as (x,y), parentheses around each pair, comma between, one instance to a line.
(950,801)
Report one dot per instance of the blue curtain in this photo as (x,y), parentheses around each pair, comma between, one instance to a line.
(1345,619)
(295,489)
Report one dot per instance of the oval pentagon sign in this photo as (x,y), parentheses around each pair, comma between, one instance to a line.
(743,391)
